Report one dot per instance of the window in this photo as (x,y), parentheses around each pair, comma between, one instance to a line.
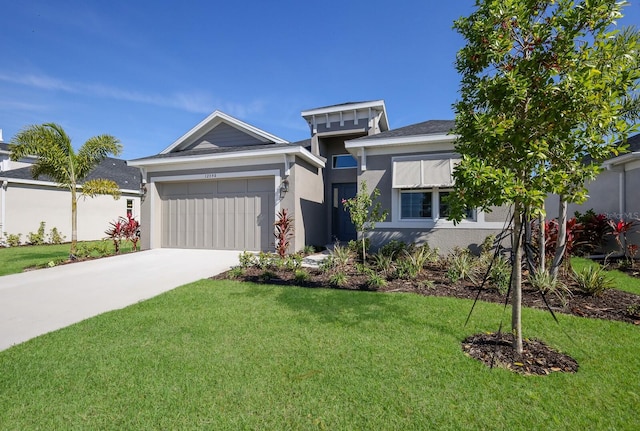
(130,207)
(344,161)
(415,204)
(426,204)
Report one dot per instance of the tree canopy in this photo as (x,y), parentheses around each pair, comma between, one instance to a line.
(57,160)
(548,88)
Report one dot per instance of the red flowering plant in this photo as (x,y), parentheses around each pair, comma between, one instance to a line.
(619,231)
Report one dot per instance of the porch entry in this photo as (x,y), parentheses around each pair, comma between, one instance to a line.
(342,228)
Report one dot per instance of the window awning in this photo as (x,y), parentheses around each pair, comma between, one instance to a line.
(423,172)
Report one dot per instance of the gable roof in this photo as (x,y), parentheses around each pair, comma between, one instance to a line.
(215,119)
(127,177)
(419,133)
(431,127)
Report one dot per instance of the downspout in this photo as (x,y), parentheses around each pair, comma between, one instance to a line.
(3,203)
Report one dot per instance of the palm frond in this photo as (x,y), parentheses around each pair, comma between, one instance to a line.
(101,186)
(94,151)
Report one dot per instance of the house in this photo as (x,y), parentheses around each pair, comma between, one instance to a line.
(615,193)
(221,184)
(25,202)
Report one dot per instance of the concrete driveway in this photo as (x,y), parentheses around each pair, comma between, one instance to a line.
(36,302)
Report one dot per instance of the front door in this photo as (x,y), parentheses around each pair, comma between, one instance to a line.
(342,229)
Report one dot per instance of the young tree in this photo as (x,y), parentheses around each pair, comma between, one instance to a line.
(364,214)
(547,88)
(57,159)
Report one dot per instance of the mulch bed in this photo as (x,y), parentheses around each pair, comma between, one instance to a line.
(492,349)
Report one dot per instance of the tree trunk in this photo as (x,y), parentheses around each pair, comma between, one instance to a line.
(541,244)
(561,244)
(516,280)
(74,222)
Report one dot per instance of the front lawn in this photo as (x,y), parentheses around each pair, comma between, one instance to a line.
(229,355)
(16,259)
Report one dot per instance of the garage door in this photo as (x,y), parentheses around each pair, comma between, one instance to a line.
(223,214)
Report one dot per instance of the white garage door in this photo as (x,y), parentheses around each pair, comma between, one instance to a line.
(223,214)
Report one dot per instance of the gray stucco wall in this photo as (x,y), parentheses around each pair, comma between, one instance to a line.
(309,211)
(445,239)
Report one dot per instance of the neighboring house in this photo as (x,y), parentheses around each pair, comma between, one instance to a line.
(6,164)
(615,193)
(222,183)
(25,202)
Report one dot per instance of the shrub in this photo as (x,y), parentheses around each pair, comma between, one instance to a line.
(37,238)
(115,232)
(595,229)
(376,281)
(13,239)
(308,249)
(428,284)
(356,249)
(327,264)
(500,274)
(56,237)
(406,269)
(341,256)
(462,266)
(301,275)
(383,263)
(593,280)
(393,249)
(293,261)
(265,260)
(338,279)
(267,275)
(634,310)
(247,259)
(283,232)
(364,213)
(548,284)
(236,272)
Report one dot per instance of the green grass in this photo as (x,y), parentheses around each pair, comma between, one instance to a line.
(621,280)
(226,355)
(16,259)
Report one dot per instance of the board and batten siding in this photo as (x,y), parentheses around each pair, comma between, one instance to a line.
(233,214)
(224,135)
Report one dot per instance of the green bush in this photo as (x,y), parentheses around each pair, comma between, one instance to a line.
(37,238)
(236,272)
(376,281)
(13,239)
(247,259)
(338,279)
(56,237)
(593,280)
(383,263)
(547,284)
(462,266)
(393,249)
(301,275)
(308,249)
(341,256)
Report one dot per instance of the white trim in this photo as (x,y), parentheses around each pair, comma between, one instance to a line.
(252,154)
(440,224)
(218,117)
(339,108)
(54,185)
(632,165)
(621,159)
(214,176)
(428,223)
(403,140)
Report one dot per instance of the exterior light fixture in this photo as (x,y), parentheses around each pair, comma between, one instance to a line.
(284,188)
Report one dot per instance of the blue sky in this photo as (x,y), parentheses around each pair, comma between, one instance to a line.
(146,72)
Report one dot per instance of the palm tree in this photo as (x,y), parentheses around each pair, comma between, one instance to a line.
(57,160)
